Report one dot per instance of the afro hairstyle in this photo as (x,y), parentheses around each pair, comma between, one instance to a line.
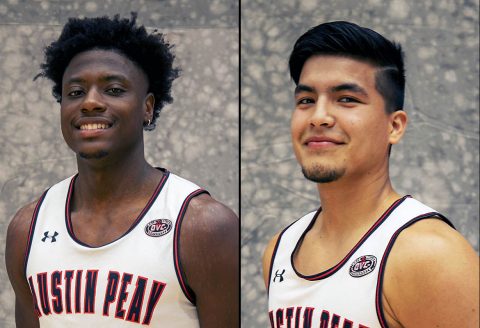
(151,52)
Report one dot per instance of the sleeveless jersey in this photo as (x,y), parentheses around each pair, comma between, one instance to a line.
(133,281)
(348,294)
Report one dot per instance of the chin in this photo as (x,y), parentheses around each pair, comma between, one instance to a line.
(321,174)
(93,155)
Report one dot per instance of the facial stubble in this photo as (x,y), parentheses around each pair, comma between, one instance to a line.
(321,174)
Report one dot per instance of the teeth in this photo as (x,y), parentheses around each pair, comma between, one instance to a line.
(93,126)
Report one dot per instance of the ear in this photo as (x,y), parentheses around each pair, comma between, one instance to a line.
(149,107)
(397,125)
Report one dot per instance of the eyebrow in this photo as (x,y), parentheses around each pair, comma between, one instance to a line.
(352,87)
(303,88)
(108,78)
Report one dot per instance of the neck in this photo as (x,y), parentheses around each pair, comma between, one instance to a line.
(352,204)
(102,180)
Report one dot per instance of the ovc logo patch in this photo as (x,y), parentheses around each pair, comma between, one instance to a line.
(158,228)
(363,266)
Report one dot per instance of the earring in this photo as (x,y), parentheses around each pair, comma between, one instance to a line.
(149,121)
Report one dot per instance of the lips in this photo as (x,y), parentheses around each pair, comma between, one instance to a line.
(94,126)
(322,140)
(92,123)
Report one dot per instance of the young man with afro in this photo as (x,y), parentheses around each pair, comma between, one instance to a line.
(121,243)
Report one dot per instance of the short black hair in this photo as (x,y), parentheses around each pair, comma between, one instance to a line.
(349,40)
(151,52)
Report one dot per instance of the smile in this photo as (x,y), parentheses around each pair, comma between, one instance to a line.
(94,126)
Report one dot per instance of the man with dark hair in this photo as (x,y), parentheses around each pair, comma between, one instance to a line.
(368,257)
(121,243)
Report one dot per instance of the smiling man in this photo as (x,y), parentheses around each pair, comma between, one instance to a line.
(368,257)
(121,243)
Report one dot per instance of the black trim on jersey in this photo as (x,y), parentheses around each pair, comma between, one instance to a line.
(327,273)
(31,231)
(275,251)
(381,270)
(68,219)
(182,280)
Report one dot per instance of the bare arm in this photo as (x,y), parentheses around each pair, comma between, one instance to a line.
(17,235)
(432,278)
(267,258)
(209,253)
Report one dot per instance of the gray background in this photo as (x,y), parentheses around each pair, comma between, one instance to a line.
(436,162)
(196,137)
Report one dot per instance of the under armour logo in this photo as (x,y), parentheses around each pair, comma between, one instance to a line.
(55,234)
(279,275)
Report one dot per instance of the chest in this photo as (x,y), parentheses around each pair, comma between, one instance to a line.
(97,228)
(314,254)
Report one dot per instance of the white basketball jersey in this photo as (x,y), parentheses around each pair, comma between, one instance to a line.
(348,294)
(133,281)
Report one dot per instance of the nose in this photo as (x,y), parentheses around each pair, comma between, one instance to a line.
(93,101)
(322,114)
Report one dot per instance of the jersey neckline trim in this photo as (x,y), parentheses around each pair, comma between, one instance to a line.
(327,273)
(68,219)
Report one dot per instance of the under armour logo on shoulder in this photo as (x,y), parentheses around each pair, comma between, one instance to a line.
(55,234)
(279,276)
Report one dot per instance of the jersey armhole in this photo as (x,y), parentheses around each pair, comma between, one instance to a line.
(272,259)
(187,291)
(378,293)
(31,231)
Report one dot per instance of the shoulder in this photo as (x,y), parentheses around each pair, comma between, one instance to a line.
(429,240)
(429,263)
(19,226)
(209,253)
(208,228)
(17,236)
(205,215)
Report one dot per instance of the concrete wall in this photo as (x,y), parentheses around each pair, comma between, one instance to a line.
(196,137)
(437,161)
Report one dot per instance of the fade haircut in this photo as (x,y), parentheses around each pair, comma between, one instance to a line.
(150,52)
(352,41)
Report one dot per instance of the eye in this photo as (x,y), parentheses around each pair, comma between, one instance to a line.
(75,93)
(115,91)
(305,101)
(348,100)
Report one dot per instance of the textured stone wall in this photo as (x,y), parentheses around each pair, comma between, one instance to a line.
(196,137)
(437,161)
